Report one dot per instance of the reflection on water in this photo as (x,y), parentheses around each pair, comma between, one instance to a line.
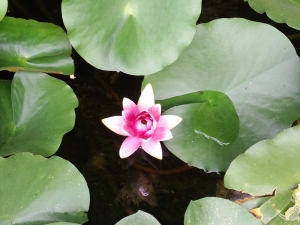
(139,187)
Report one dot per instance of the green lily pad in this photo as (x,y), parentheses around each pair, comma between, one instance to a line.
(255,203)
(217,120)
(62,223)
(139,218)
(36,111)
(36,191)
(279,220)
(3,8)
(216,117)
(280,11)
(34,46)
(267,166)
(217,211)
(129,35)
(254,64)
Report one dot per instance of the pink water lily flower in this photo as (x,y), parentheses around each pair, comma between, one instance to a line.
(143,124)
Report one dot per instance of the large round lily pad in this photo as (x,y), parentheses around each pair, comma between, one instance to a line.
(36,111)
(280,11)
(137,37)
(36,190)
(268,166)
(254,64)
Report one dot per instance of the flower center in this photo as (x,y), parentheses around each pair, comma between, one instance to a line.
(144,125)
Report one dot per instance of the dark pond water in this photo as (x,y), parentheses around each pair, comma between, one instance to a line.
(93,149)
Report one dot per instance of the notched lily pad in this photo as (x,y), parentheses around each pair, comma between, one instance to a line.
(34,46)
(36,111)
(128,35)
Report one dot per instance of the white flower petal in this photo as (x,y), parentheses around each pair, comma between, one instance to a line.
(168,121)
(161,134)
(155,111)
(115,123)
(130,105)
(146,99)
(153,148)
(129,146)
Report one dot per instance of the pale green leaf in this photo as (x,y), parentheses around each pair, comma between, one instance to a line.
(36,111)
(139,218)
(137,37)
(217,211)
(35,191)
(281,11)
(3,8)
(34,46)
(268,166)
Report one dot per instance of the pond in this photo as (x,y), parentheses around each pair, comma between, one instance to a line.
(118,187)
